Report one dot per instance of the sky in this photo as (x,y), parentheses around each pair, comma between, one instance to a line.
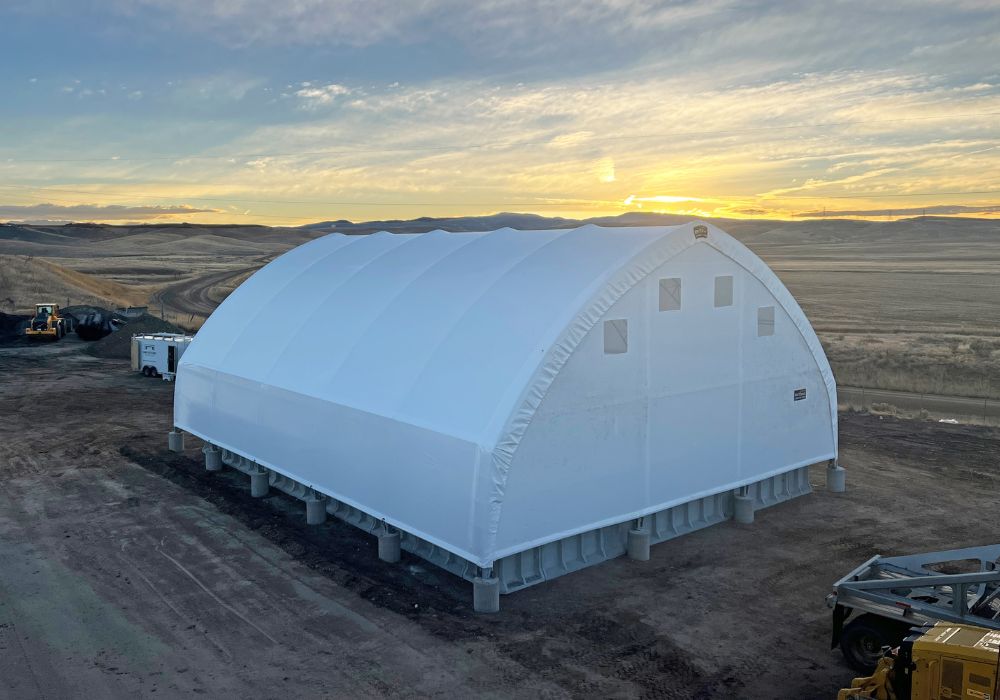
(285,113)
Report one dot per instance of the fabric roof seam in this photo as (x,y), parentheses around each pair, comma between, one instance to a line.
(474,238)
(493,432)
(291,339)
(260,309)
(330,372)
(791,307)
(767,278)
(591,308)
(465,313)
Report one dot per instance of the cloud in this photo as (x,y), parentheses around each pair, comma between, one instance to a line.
(940,209)
(661,199)
(752,106)
(93,212)
(312,97)
(720,39)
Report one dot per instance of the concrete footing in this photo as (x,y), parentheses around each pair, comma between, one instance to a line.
(213,458)
(175,441)
(743,509)
(315,510)
(638,545)
(388,547)
(836,478)
(259,483)
(486,595)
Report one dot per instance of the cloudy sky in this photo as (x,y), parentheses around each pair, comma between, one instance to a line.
(304,110)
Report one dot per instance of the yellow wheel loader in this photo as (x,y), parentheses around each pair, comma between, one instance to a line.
(48,324)
(944,661)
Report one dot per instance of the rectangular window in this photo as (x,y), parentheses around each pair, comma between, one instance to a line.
(670,294)
(765,320)
(616,336)
(724,291)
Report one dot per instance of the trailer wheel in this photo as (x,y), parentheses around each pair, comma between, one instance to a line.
(145,371)
(863,638)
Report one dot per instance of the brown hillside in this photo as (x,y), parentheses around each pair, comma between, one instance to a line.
(26,281)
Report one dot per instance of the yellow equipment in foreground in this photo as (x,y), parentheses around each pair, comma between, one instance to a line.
(47,323)
(946,661)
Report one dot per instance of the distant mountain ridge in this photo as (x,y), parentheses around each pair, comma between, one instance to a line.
(244,239)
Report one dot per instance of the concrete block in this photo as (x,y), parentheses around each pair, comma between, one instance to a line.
(175,441)
(638,545)
(743,509)
(388,547)
(486,595)
(315,510)
(836,478)
(213,458)
(259,483)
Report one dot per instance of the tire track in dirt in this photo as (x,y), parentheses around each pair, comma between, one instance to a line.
(200,295)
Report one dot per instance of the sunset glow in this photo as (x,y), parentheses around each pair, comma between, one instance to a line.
(689,114)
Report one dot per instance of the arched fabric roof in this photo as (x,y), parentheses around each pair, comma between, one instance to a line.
(457,335)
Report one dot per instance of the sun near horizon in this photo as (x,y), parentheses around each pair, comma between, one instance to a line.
(319,112)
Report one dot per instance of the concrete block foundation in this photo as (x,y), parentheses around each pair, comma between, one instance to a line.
(213,458)
(743,509)
(388,547)
(638,545)
(315,510)
(485,595)
(259,483)
(836,478)
(175,441)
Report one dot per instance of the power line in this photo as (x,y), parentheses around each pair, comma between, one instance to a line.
(488,145)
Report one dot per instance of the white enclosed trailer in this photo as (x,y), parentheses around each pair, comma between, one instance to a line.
(158,354)
(516,405)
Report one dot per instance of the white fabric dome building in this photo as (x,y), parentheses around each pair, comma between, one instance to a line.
(515,402)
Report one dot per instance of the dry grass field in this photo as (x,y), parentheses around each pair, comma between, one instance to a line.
(25,281)
(910,305)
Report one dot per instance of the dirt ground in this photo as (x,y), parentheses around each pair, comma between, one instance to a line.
(128,571)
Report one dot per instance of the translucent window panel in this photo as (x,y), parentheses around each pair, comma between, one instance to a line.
(670,294)
(765,320)
(724,291)
(616,336)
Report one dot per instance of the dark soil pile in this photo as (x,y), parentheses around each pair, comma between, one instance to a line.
(79,311)
(118,345)
(11,327)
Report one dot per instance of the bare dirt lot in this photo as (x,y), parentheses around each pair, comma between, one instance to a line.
(126,571)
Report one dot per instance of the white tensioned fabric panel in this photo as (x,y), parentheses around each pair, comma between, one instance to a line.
(396,372)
